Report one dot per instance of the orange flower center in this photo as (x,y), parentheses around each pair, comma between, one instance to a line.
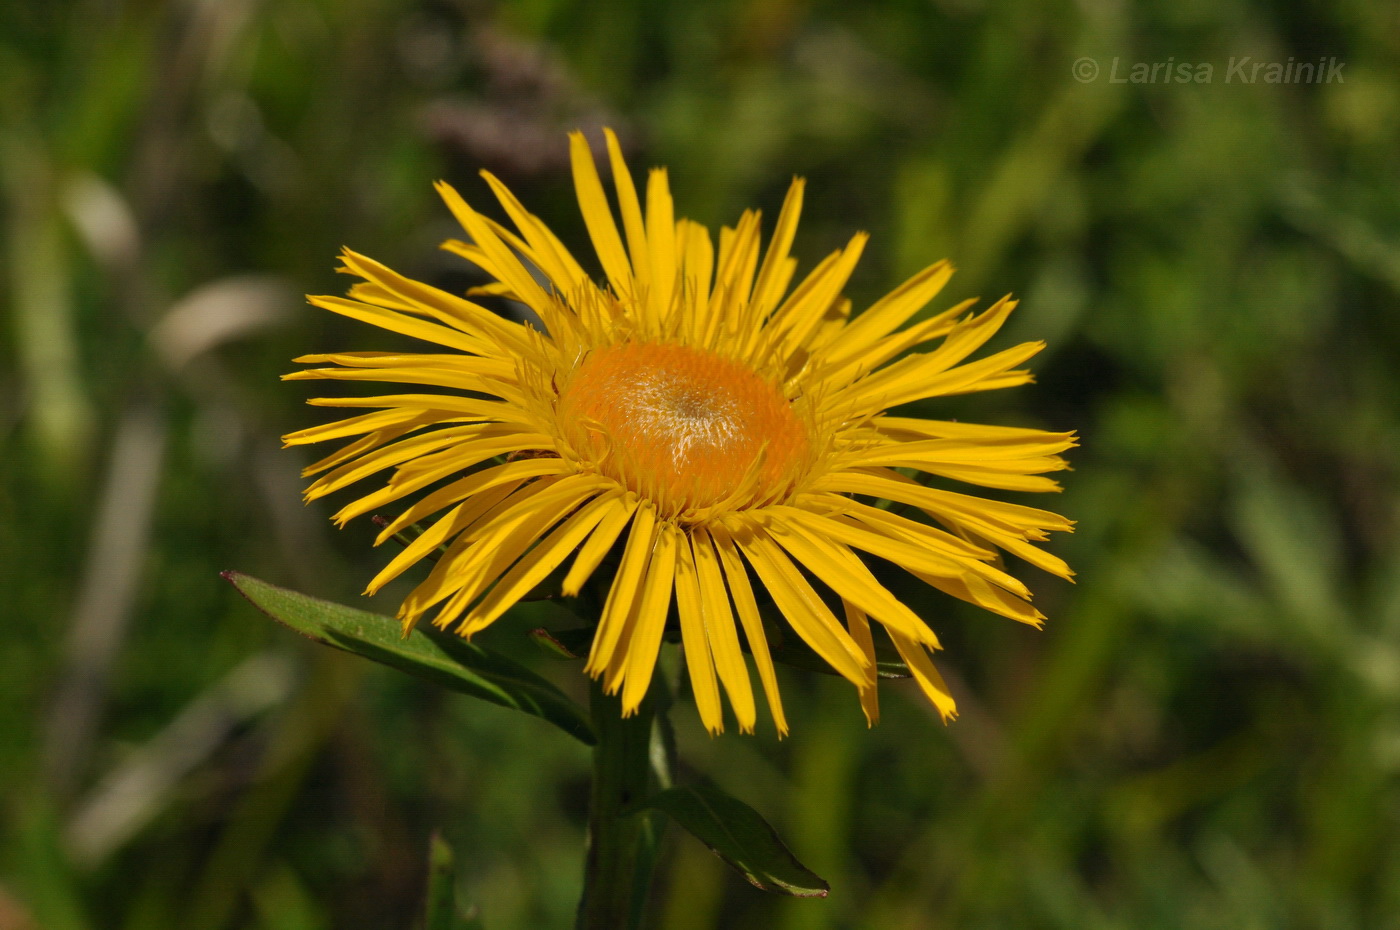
(682,426)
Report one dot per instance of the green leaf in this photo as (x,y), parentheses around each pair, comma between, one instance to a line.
(436,655)
(566,644)
(440,911)
(52,891)
(740,836)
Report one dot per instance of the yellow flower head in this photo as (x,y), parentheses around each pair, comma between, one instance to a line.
(718,425)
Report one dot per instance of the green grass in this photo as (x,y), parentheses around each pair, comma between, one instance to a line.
(1204,736)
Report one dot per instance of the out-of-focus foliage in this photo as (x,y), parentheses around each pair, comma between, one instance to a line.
(1206,735)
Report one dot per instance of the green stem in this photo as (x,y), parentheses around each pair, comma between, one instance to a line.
(621,846)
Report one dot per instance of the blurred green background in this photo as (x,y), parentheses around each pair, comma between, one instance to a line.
(1207,734)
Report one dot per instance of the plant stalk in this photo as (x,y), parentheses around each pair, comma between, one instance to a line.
(621,846)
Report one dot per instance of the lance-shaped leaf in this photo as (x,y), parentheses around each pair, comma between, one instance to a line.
(567,644)
(740,836)
(440,910)
(437,656)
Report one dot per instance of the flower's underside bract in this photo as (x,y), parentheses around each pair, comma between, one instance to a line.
(697,413)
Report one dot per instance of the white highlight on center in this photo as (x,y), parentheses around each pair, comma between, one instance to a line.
(670,410)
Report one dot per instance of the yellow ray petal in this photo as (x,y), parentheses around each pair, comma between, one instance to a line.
(368,442)
(476,256)
(715,552)
(661,242)
(982,514)
(449,308)
(722,632)
(975,432)
(535,565)
(914,383)
(1013,517)
(937,541)
(930,682)
(372,362)
(407,481)
(697,259)
(396,322)
(504,263)
(810,618)
(546,251)
(592,552)
(616,670)
(474,486)
(505,533)
(840,372)
(444,528)
(766,332)
(408,419)
(354,449)
(485,377)
(387,457)
(371,293)
(378,359)
(597,216)
(494,439)
(564,495)
(922,537)
(845,574)
(1004,456)
(900,551)
(624,589)
(800,314)
(985,595)
(1045,561)
(447,575)
(698,658)
(462,379)
(988,478)
(964,338)
(859,626)
(488,558)
(654,606)
(771,279)
(894,309)
(447,404)
(738,257)
(969,337)
(959,509)
(631,209)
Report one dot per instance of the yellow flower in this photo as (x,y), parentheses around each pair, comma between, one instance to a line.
(717,425)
